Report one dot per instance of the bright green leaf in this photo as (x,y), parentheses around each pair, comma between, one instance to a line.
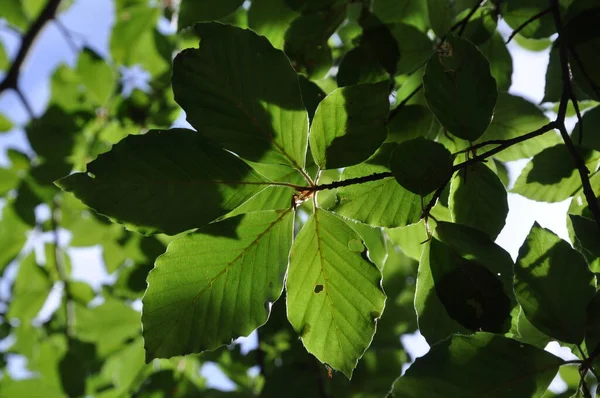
(460,89)
(258,114)
(547,271)
(412,12)
(334,294)
(216,284)
(13,235)
(421,165)
(478,199)
(551,175)
(271,18)
(346,129)
(382,202)
(415,48)
(167,181)
(96,75)
(31,288)
(480,365)
(5,124)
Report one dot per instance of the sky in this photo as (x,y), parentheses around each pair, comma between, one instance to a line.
(90,23)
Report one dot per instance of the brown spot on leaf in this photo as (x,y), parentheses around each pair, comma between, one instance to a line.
(318,288)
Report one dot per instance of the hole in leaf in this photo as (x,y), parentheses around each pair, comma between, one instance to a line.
(318,288)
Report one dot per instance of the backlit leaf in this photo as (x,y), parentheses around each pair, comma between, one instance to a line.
(210,288)
(547,271)
(334,293)
(167,181)
(346,130)
(243,94)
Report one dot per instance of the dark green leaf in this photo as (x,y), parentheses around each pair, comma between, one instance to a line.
(260,115)
(480,365)
(587,233)
(312,95)
(13,235)
(382,202)
(334,293)
(592,326)
(421,165)
(441,16)
(460,89)
(347,129)
(306,41)
(414,46)
(551,175)
(192,11)
(412,12)
(591,134)
(167,181)
(359,66)
(501,65)
(517,12)
(548,271)
(412,121)
(478,199)
(554,82)
(207,290)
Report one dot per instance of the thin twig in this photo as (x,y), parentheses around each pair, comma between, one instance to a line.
(530,20)
(12,75)
(401,105)
(562,110)
(25,102)
(466,19)
(67,36)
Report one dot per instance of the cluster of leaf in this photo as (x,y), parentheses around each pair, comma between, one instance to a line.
(336,146)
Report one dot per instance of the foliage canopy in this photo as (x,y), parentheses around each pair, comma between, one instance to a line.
(341,183)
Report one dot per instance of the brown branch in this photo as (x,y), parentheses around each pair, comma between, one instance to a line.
(562,110)
(11,78)
(530,20)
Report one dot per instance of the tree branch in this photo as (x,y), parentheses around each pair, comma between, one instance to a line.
(567,95)
(11,78)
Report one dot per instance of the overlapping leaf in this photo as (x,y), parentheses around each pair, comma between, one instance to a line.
(243,94)
(209,289)
(480,365)
(334,292)
(347,130)
(168,181)
(547,271)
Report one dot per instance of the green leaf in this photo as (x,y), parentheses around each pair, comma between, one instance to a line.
(31,288)
(460,89)
(5,124)
(454,244)
(306,41)
(96,76)
(192,11)
(589,122)
(271,18)
(548,270)
(421,165)
(334,294)
(312,95)
(13,235)
(412,12)
(347,129)
(411,239)
(592,325)
(412,121)
(501,65)
(108,325)
(9,179)
(208,289)
(554,82)
(12,11)
(515,116)
(135,40)
(441,16)
(551,175)
(583,43)
(168,181)
(258,114)
(382,202)
(478,199)
(480,365)
(587,233)
(359,66)
(517,12)
(415,48)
